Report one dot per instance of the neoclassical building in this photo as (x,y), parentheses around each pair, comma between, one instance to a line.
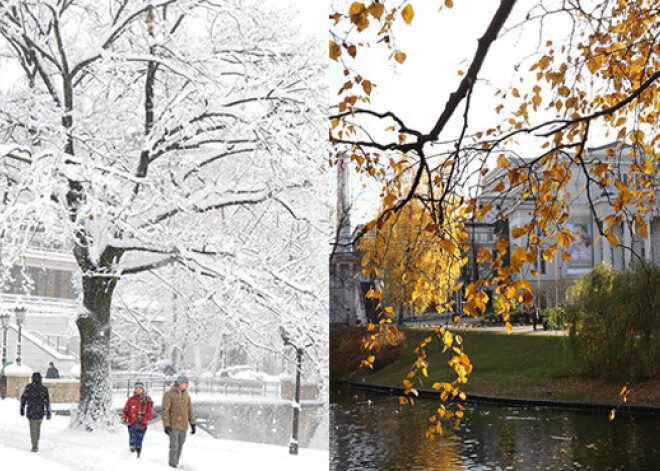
(589,249)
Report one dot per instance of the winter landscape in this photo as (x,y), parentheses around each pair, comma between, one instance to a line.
(163,235)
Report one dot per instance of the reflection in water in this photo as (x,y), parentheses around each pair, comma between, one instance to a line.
(372,432)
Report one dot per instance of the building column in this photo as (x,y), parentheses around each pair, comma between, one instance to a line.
(627,241)
(647,242)
(607,251)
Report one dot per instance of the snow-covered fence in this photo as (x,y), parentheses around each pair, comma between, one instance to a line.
(154,383)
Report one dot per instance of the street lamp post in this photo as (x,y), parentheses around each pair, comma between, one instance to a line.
(4,318)
(20,319)
(293,445)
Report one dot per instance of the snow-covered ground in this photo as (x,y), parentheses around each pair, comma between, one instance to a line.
(62,448)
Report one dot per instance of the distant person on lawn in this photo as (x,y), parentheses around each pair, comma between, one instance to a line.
(177,413)
(137,414)
(51,372)
(35,397)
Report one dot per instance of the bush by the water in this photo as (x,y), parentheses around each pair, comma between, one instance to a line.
(347,352)
(614,320)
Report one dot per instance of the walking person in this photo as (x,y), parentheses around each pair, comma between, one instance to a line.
(137,414)
(52,372)
(3,385)
(35,397)
(177,413)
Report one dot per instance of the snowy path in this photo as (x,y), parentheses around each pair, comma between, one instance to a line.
(64,449)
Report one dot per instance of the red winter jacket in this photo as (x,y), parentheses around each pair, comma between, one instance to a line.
(138,407)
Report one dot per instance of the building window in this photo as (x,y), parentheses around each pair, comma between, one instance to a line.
(46,283)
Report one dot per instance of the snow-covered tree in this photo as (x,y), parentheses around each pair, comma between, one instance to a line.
(173,137)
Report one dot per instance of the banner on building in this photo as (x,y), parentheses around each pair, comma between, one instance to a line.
(581,250)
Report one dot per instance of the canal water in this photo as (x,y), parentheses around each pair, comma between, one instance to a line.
(371,431)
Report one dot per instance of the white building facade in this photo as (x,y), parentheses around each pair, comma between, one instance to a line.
(589,248)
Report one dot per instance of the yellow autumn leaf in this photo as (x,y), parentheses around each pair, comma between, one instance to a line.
(356,8)
(643,230)
(519,256)
(407,14)
(612,414)
(400,57)
(376,10)
(484,255)
(502,161)
(499,187)
(335,50)
(612,238)
(366,85)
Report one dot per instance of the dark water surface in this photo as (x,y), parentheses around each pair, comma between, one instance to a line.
(371,431)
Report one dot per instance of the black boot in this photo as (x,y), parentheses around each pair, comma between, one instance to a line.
(35,448)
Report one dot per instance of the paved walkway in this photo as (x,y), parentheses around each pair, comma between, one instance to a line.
(525,329)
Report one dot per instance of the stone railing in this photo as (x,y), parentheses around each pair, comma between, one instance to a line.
(308,391)
(63,390)
(60,390)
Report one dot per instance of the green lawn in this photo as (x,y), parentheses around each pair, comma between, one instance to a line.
(521,365)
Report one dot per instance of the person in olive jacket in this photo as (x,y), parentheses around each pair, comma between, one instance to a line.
(35,397)
(177,413)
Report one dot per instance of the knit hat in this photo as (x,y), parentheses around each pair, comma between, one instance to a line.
(181,379)
(139,384)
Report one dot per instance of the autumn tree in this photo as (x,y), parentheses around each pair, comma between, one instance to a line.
(595,78)
(418,270)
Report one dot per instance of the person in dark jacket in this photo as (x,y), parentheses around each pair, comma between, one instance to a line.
(137,414)
(35,397)
(52,372)
(3,385)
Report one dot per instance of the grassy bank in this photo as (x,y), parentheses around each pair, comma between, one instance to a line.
(516,365)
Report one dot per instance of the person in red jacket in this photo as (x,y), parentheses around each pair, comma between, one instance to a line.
(137,414)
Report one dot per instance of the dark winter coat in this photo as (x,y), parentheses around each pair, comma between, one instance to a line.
(177,410)
(35,397)
(52,373)
(3,381)
(139,407)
